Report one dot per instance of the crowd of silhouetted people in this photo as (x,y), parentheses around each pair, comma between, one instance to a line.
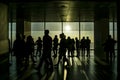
(64,47)
(24,48)
(109,48)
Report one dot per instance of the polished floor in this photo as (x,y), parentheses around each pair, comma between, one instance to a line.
(80,69)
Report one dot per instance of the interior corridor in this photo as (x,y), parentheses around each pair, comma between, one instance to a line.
(91,19)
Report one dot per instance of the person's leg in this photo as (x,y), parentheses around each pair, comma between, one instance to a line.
(40,63)
(107,56)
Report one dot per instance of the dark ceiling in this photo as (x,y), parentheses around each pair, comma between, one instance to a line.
(55,11)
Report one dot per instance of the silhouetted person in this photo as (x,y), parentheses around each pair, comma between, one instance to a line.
(87,42)
(46,56)
(73,47)
(24,41)
(18,49)
(10,52)
(33,47)
(55,45)
(83,46)
(29,50)
(77,42)
(69,46)
(62,50)
(109,47)
(39,46)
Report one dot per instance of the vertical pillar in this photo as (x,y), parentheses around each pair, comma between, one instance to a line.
(20,19)
(27,22)
(62,26)
(101,30)
(23,24)
(3,22)
(79,31)
(4,42)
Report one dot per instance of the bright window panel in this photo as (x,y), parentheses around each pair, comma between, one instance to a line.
(37,30)
(113,33)
(55,28)
(71,29)
(87,29)
(13,31)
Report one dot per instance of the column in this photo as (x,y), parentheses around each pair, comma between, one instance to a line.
(4,42)
(20,19)
(101,30)
(23,24)
(27,22)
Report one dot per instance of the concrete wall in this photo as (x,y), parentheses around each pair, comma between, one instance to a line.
(4,43)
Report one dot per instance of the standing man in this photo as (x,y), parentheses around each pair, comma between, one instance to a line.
(46,56)
(109,48)
(55,47)
(77,46)
(62,50)
(83,45)
(88,41)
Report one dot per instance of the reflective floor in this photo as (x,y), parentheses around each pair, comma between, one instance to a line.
(80,69)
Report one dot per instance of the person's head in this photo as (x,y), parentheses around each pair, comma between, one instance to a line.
(83,37)
(23,36)
(46,32)
(69,37)
(39,38)
(76,38)
(109,36)
(18,36)
(62,35)
(55,36)
(87,37)
(29,38)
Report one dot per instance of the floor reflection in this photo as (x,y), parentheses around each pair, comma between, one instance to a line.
(80,69)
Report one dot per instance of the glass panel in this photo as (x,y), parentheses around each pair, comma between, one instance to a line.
(37,30)
(54,28)
(115,37)
(111,28)
(87,29)
(12,36)
(71,29)
(113,33)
